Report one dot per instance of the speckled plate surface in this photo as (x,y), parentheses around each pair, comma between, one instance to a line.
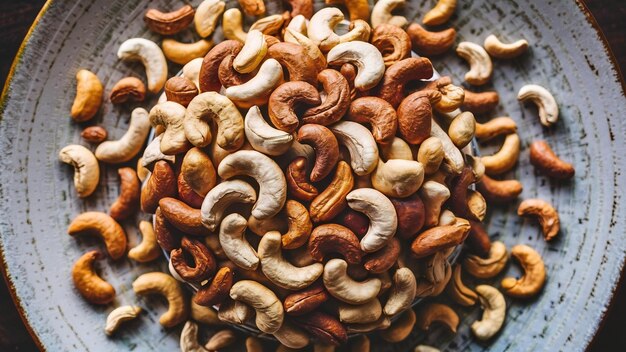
(37,199)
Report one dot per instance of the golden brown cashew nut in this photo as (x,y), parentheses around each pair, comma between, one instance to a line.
(401,328)
(170,115)
(367,312)
(480,103)
(183,217)
(308,48)
(486,268)
(415,114)
(546,214)
(180,90)
(86,168)
(193,262)
(344,288)
(130,191)
(439,238)
(198,171)
(148,250)
(120,315)
(503,160)
(330,202)
(441,13)
(234,243)
(263,137)
(546,105)
(189,338)
(151,56)
(105,227)
(499,191)
(302,8)
(182,53)
(495,127)
(88,96)
(457,290)
(397,149)
(252,53)
(357,9)
(269,25)
(257,90)
(360,144)
(91,286)
(301,63)
(381,213)
(377,112)
(359,30)
(543,158)
(221,197)
(534,276)
(439,313)
(298,181)
(430,43)
(252,7)
(398,178)
(481,67)
(381,13)
(476,204)
(166,286)
(367,59)
(494,312)
(232,25)
(284,100)
(501,50)
(269,309)
(211,105)
(161,183)
(94,134)
(206,16)
(451,96)
(403,290)
(336,102)
(130,144)
(400,74)
(208,76)
(393,42)
(325,146)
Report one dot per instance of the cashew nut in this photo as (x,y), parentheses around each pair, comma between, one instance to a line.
(430,43)
(494,312)
(252,53)
(403,290)
(170,115)
(130,144)
(153,153)
(325,146)
(191,70)
(393,42)
(546,214)
(461,130)
(151,56)
(481,67)
(430,154)
(262,136)
(381,213)
(86,168)
(534,273)
(221,197)
(91,286)
(401,328)
(128,200)
(88,96)
(344,288)
(367,59)
(258,89)
(166,286)
(235,312)
(495,127)
(547,162)
(457,290)
(182,53)
(360,143)
(297,24)
(291,336)
(120,315)
(269,309)
(501,50)
(504,159)
(440,14)
(546,105)
(212,105)
(232,25)
(486,268)
(359,31)
(321,28)
(148,249)
(476,204)
(310,49)
(480,103)
(189,338)
(269,176)
(434,194)
(452,157)
(397,149)
(252,7)
(234,243)
(381,13)
(301,61)
(499,191)
(268,25)
(398,178)
(367,312)
(437,312)
(440,238)
(207,15)
(105,227)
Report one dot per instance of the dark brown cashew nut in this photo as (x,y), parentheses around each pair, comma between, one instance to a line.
(478,241)
(167,236)
(209,71)
(300,66)
(356,221)
(378,113)
(411,215)
(130,192)
(300,225)
(335,238)
(391,87)
(429,43)
(349,72)
(228,76)
(480,103)
(337,99)
(306,300)
(499,191)
(300,7)
(324,327)
(297,181)
(458,194)
(326,149)
(182,216)
(543,158)
(284,100)
(415,115)
(203,262)
(187,194)
(161,183)
(392,42)
(382,260)
(217,290)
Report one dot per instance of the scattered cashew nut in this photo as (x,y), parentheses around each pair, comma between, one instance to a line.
(481,67)
(130,144)
(120,315)
(494,312)
(534,276)
(170,289)
(86,168)
(151,56)
(547,106)
(546,214)
(501,50)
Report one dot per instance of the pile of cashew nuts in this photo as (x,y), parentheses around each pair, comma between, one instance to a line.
(311,177)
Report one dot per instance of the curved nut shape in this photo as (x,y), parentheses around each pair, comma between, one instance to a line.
(336,102)
(302,63)
(360,143)
(128,200)
(298,181)
(180,90)
(191,71)
(195,252)
(383,323)
(546,214)
(480,103)
(401,328)
(430,154)
(321,28)
(439,238)
(481,67)
(439,313)
(305,301)
(86,168)
(221,197)
(130,144)
(440,14)
(166,286)
(151,56)
(495,127)
(217,291)
(269,309)
(543,158)
(363,313)
(434,194)
(234,243)
(91,286)
(325,328)
(211,105)
(269,176)
(252,7)
(486,268)
(148,250)
(235,312)
(208,76)
(161,183)
(381,13)
(88,96)
(398,178)
(377,112)
(430,43)
(232,25)
(300,226)
(331,201)
(263,137)
(494,312)
(383,259)
(279,271)
(284,100)
(170,115)
(359,30)
(325,146)
(189,338)
(257,90)
(452,157)
(152,154)
(269,25)
(504,159)
(457,290)
(229,76)
(105,227)
(120,315)
(289,335)
(501,50)
(546,105)
(252,53)
(531,283)
(207,15)
(403,290)
(415,115)
(303,8)
(393,42)
(182,53)
(380,212)
(334,238)
(344,288)
(367,59)
(308,47)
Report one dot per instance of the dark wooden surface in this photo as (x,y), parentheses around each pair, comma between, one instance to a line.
(17,16)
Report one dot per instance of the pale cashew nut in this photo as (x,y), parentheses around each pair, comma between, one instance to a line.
(397,149)
(189,338)
(494,312)
(446,218)
(359,31)
(263,137)
(280,271)
(207,15)
(534,276)
(148,250)
(235,312)
(504,159)
(151,56)
(212,105)
(452,157)
(269,309)
(476,204)
(462,128)
(168,287)
(381,13)
(252,53)
(86,168)
(430,154)
(258,89)
(425,348)
(232,25)
(153,153)
(105,227)
(546,105)
(291,336)
(381,213)
(500,50)
(360,143)
(403,290)
(88,96)
(268,25)
(170,115)
(367,312)
(367,59)
(120,315)
(486,268)
(91,286)
(269,176)
(130,144)
(321,28)
(481,67)
(434,194)
(221,197)
(398,178)
(234,243)
(344,288)
(309,48)
(297,24)
(182,53)
(191,70)
(546,214)
(441,13)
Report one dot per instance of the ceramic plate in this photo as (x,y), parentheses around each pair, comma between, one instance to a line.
(37,198)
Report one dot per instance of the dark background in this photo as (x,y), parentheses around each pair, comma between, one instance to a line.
(17,16)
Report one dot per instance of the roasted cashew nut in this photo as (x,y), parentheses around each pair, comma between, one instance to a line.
(151,56)
(148,250)
(212,105)
(367,59)
(91,286)
(381,13)
(461,130)
(166,286)
(481,67)
(486,268)
(393,42)
(252,53)
(494,312)
(430,43)
(120,315)
(234,243)
(531,283)
(182,53)
(336,103)
(300,62)
(153,153)
(232,25)
(441,13)
(380,212)
(457,290)
(263,137)
(360,143)
(335,238)
(401,328)
(105,227)
(309,48)
(297,24)
(269,26)
(325,146)
(170,115)
(403,290)
(88,96)
(289,335)
(130,144)
(269,176)
(359,31)
(344,288)
(500,50)
(546,214)
(504,159)
(284,100)
(221,197)
(547,106)
(543,158)
(86,168)
(398,178)
(439,313)
(495,127)
(380,114)
(206,16)
(361,314)
(269,309)
(257,90)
